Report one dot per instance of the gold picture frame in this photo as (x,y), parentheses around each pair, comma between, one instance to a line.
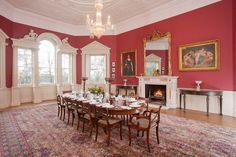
(199,56)
(129,63)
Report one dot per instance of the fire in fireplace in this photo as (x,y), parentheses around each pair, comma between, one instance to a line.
(158,93)
(155,93)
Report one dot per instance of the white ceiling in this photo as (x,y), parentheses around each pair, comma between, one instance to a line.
(69,16)
(74,11)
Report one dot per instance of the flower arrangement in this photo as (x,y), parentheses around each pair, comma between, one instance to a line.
(96,90)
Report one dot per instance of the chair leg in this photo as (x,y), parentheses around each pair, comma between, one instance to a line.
(129,137)
(96,137)
(157,134)
(109,135)
(61,113)
(83,125)
(64,114)
(58,111)
(78,121)
(91,127)
(68,117)
(73,117)
(142,133)
(148,140)
(120,130)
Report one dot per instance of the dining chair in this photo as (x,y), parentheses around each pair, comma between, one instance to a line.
(71,107)
(61,107)
(144,123)
(104,118)
(80,112)
(86,115)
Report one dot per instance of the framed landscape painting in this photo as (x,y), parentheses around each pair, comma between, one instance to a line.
(199,56)
(128,63)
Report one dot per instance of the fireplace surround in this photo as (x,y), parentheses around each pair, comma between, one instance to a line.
(169,82)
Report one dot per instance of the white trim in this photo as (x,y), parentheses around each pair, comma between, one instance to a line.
(31,41)
(171,9)
(94,48)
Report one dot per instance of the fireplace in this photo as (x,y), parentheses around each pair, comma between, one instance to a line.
(155,93)
(167,83)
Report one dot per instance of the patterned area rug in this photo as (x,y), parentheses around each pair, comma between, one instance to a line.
(38,131)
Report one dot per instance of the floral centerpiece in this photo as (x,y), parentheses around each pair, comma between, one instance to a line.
(96,90)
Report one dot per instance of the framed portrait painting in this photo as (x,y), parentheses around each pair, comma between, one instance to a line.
(199,56)
(128,63)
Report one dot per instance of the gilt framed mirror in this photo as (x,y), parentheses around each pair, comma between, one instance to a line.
(157,54)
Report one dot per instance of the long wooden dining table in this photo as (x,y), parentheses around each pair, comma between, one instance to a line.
(115,110)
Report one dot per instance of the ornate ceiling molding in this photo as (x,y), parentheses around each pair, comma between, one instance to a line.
(167,10)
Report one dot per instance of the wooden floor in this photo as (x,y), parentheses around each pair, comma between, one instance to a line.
(225,121)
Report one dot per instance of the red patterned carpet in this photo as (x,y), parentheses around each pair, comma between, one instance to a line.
(38,131)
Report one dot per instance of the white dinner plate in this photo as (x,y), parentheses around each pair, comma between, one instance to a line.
(134,105)
(125,107)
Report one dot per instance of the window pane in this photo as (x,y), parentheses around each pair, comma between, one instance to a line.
(24,67)
(66,76)
(97,69)
(66,68)
(24,57)
(46,56)
(46,75)
(65,61)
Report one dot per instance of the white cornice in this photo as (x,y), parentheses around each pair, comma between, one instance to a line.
(168,10)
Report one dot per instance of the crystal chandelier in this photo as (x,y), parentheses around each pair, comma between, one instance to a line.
(97,28)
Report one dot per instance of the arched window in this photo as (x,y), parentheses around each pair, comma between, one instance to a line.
(46,62)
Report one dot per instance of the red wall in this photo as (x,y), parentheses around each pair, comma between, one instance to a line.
(207,23)
(16,30)
(6,25)
(234,41)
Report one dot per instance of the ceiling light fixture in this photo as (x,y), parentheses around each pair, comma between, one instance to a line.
(97,28)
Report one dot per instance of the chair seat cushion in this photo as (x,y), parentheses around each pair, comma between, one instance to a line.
(140,123)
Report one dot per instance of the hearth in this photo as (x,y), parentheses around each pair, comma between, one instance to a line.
(155,93)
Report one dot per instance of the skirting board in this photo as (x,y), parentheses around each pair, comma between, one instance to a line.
(193,102)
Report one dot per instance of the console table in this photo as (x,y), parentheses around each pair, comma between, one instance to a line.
(207,93)
(126,87)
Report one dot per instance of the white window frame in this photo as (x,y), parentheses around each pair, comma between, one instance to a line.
(53,42)
(94,48)
(32,57)
(89,68)
(70,68)
(3,45)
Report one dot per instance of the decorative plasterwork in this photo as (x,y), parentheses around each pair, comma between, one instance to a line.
(127,22)
(28,41)
(66,47)
(95,47)
(153,58)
